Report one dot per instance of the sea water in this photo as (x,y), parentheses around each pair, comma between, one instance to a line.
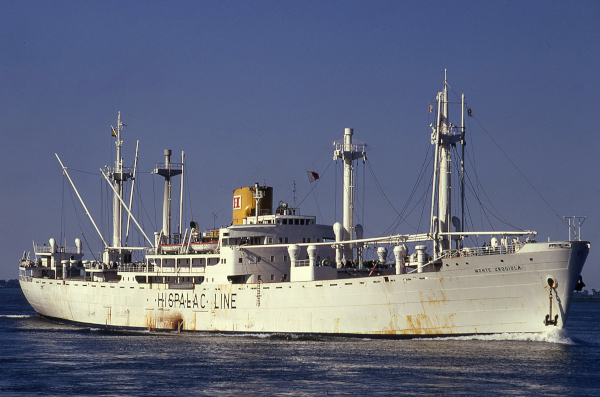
(39,357)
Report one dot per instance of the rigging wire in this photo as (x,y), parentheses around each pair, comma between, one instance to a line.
(422,172)
(317,202)
(381,189)
(101,207)
(473,238)
(316,183)
(77,216)
(81,225)
(104,202)
(187,185)
(335,189)
(474,189)
(499,216)
(488,211)
(108,211)
(520,172)
(154,196)
(140,201)
(425,197)
(474,167)
(401,215)
(289,193)
(62,210)
(362,205)
(83,172)
(478,185)
(364,193)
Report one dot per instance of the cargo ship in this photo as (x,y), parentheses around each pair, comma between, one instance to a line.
(274,270)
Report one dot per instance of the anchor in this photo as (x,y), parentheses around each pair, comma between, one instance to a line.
(548,320)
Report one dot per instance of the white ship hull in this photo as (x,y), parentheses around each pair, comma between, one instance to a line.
(277,271)
(469,295)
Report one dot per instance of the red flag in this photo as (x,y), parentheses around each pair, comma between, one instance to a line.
(312,176)
(430,108)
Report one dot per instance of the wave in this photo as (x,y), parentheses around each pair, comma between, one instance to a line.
(275,336)
(552,336)
(18,315)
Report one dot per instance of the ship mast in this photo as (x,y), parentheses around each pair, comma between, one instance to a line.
(348,152)
(168,170)
(444,137)
(118,175)
(445,173)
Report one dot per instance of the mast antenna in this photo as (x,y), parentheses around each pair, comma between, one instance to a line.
(294,190)
(571,221)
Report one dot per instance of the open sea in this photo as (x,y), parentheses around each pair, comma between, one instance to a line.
(39,357)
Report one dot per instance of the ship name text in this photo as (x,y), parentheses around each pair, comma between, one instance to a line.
(185,300)
(498,269)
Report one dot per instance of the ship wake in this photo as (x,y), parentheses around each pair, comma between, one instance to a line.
(552,336)
(18,315)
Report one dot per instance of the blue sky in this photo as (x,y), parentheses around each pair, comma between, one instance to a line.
(258,91)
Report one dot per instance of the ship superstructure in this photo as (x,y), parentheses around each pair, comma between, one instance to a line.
(276,270)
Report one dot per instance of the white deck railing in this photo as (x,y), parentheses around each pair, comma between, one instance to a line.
(479,251)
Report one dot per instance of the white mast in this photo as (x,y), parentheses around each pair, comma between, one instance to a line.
(181,196)
(117,176)
(349,152)
(137,146)
(259,194)
(445,175)
(167,170)
(462,166)
(444,136)
(121,202)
